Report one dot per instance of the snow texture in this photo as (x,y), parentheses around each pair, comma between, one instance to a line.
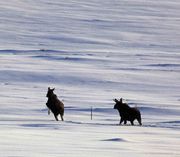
(91,52)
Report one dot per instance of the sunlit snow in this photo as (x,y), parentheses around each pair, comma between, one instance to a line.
(91,52)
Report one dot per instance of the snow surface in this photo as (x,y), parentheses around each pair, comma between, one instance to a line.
(91,52)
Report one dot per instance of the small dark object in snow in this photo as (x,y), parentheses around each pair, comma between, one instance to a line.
(54,104)
(127,113)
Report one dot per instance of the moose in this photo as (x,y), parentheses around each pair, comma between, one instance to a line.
(54,104)
(127,113)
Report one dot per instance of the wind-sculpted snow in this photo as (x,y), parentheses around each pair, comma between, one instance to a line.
(90,25)
(81,82)
(91,52)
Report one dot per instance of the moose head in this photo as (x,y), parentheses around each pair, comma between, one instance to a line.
(50,92)
(118,103)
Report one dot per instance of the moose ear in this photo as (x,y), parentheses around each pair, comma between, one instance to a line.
(121,100)
(49,88)
(115,100)
(53,89)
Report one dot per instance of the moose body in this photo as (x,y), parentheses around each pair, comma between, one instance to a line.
(127,113)
(54,104)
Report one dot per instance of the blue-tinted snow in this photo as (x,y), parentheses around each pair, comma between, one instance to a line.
(91,52)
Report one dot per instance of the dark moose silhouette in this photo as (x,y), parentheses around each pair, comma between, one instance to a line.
(54,104)
(127,113)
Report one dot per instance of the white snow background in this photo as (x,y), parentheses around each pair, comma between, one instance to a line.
(91,52)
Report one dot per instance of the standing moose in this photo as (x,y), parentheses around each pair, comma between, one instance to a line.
(54,104)
(127,113)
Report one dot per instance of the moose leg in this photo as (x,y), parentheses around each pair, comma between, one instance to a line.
(125,122)
(139,121)
(121,120)
(132,123)
(56,117)
(49,111)
(62,118)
